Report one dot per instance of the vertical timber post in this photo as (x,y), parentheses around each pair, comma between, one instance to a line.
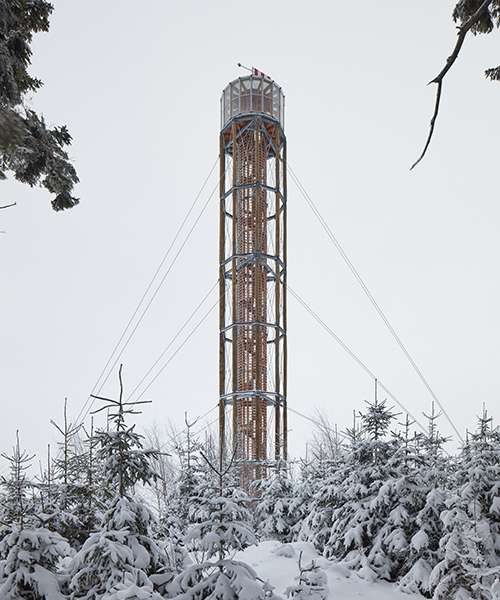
(222,300)
(258,308)
(285,337)
(277,311)
(234,353)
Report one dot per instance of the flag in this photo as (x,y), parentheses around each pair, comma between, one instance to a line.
(261,74)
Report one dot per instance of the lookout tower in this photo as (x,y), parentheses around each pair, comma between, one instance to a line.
(253,323)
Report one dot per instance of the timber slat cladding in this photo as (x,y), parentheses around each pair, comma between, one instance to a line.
(251,294)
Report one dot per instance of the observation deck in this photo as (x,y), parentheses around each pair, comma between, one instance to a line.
(252,94)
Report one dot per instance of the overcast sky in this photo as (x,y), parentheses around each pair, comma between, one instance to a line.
(138,85)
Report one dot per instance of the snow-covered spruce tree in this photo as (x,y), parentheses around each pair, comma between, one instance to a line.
(220,514)
(434,473)
(424,550)
(438,466)
(312,502)
(312,583)
(121,560)
(478,482)
(463,573)
(177,514)
(191,473)
(397,501)
(29,553)
(275,513)
(302,499)
(321,479)
(67,490)
(471,542)
(326,481)
(316,527)
(373,498)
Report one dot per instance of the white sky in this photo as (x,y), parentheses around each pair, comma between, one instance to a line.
(138,85)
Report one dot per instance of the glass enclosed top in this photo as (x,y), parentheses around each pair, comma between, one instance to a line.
(252,94)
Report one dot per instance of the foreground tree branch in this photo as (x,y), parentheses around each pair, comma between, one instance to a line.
(462,32)
(33,152)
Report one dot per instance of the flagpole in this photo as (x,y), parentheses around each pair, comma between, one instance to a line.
(247,68)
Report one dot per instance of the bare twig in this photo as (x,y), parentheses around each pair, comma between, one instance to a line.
(220,471)
(462,32)
(9,205)
(117,403)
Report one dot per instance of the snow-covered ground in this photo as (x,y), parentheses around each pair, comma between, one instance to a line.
(278,563)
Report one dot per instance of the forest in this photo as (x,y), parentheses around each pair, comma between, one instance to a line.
(113,516)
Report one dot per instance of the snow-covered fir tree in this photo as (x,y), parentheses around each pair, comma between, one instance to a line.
(121,559)
(69,487)
(463,573)
(312,583)
(478,482)
(300,506)
(322,475)
(221,517)
(364,514)
(470,544)
(365,496)
(177,512)
(433,475)
(192,471)
(29,552)
(276,515)
(438,466)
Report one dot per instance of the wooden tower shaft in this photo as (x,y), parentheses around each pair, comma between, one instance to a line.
(253,274)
